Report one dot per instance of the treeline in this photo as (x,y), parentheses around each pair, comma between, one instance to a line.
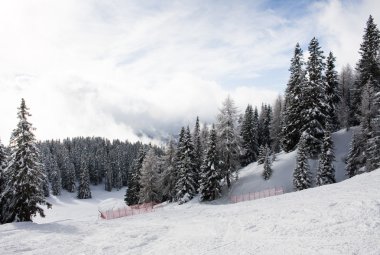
(97,159)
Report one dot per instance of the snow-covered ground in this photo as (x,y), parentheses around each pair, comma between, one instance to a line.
(251,180)
(343,218)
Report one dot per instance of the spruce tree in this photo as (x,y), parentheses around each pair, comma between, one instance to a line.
(228,140)
(265,119)
(198,150)
(367,66)
(169,175)
(133,188)
(355,159)
(70,185)
(149,178)
(267,173)
(84,191)
(186,182)
(3,165)
(204,136)
(248,135)
(313,113)
(108,175)
(292,124)
(373,142)
(326,170)
(276,125)
(210,177)
(346,82)
(55,177)
(301,174)
(262,152)
(332,94)
(23,193)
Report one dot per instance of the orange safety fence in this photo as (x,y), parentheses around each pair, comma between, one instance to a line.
(257,195)
(127,211)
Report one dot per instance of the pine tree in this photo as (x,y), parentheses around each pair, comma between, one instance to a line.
(267,173)
(290,133)
(3,166)
(373,142)
(301,174)
(355,158)
(133,188)
(262,152)
(248,135)
(198,150)
(346,82)
(169,175)
(186,183)
(204,136)
(265,119)
(23,191)
(228,140)
(55,178)
(84,191)
(149,178)
(70,185)
(332,94)
(313,113)
(326,170)
(108,175)
(368,64)
(210,177)
(276,125)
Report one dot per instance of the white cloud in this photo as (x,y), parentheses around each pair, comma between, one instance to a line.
(122,68)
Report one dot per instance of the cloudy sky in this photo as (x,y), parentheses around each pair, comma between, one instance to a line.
(132,69)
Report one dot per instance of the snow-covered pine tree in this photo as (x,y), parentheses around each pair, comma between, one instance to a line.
(210,177)
(265,118)
(326,170)
(262,153)
(108,174)
(367,65)
(267,173)
(313,111)
(198,150)
(55,177)
(276,125)
(228,140)
(346,82)
(84,191)
(168,178)
(70,185)
(133,188)
(149,178)
(186,183)
(369,113)
(248,135)
(3,166)
(373,142)
(332,94)
(23,193)
(301,174)
(290,133)
(355,159)
(204,136)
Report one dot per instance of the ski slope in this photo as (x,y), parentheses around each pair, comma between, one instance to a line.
(342,218)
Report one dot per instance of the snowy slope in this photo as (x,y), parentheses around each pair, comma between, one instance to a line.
(250,179)
(343,218)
